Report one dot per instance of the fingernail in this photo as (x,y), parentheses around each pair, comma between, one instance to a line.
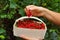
(30,8)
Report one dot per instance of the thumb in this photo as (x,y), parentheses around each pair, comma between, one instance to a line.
(28,38)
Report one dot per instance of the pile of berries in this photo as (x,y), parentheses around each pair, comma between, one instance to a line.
(31,24)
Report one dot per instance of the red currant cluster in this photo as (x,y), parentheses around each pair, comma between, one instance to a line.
(28,13)
(31,24)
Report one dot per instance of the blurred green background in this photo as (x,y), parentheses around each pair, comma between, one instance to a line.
(10,10)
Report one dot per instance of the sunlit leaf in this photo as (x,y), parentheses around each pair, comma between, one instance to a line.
(5,7)
(2,37)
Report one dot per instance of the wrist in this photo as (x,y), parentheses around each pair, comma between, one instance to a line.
(46,13)
(43,11)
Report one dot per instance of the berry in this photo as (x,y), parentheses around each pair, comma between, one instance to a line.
(31,24)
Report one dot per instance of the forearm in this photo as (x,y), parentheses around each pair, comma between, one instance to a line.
(52,16)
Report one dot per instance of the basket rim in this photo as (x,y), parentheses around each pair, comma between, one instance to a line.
(29,17)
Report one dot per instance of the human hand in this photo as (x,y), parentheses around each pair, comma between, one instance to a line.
(28,38)
(35,10)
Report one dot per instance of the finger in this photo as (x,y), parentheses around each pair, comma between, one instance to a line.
(30,7)
(28,38)
(26,10)
(33,13)
(25,37)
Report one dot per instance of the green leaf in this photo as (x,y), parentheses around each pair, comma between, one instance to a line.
(13,0)
(2,37)
(3,16)
(56,0)
(21,12)
(53,36)
(5,7)
(51,30)
(44,4)
(2,30)
(13,5)
(9,16)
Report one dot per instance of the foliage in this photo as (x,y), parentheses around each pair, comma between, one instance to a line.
(10,10)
